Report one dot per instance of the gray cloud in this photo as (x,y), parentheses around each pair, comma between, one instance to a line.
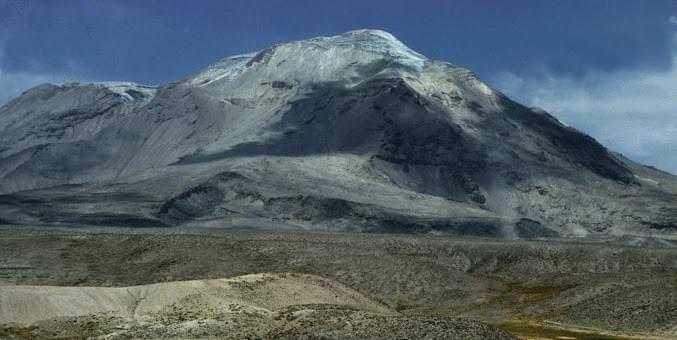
(673,19)
(632,111)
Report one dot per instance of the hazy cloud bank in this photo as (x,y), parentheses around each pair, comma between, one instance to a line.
(632,111)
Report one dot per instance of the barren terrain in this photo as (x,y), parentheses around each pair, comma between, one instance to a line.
(208,282)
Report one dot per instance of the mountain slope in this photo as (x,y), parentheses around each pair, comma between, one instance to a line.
(351,132)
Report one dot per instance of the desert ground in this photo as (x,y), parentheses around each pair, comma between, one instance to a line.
(109,283)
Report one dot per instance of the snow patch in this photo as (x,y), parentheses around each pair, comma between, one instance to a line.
(376,41)
(648,180)
(485,89)
(128,90)
(228,68)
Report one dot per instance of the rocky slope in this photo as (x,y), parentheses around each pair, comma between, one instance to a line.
(351,132)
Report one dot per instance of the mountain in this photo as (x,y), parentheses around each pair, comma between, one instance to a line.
(353,132)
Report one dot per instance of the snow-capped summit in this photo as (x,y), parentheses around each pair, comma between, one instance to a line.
(320,58)
(375,41)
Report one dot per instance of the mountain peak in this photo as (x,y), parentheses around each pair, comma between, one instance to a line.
(375,41)
(371,32)
(324,58)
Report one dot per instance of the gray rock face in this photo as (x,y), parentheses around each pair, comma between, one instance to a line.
(352,132)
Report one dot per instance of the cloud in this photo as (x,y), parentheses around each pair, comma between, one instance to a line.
(673,19)
(633,111)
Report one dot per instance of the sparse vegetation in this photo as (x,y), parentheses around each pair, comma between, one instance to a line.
(527,287)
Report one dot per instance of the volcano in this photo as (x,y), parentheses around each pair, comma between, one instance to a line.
(355,132)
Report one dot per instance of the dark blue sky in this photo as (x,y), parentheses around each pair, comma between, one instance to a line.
(160,41)
(518,47)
